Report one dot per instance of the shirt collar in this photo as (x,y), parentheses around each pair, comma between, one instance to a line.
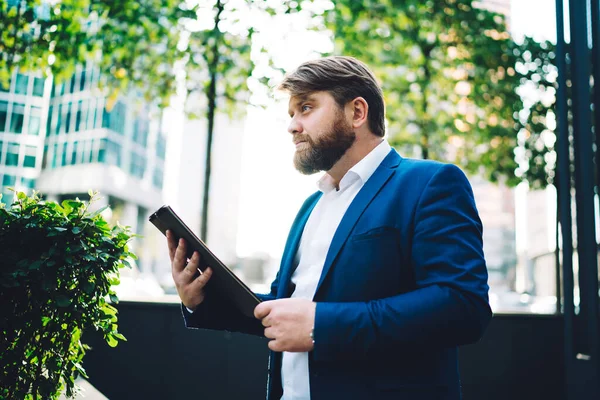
(362,170)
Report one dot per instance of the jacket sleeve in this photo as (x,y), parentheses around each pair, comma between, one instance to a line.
(449,306)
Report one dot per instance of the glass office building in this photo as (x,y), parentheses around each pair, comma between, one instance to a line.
(23,110)
(66,138)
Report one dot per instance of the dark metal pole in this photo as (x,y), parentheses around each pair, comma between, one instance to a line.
(587,347)
(564,189)
(595,18)
(595,11)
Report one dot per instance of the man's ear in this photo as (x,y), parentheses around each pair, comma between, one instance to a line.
(359,111)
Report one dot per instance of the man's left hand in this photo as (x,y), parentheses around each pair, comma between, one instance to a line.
(288,322)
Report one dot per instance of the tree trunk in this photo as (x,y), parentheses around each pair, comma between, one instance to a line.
(211,95)
(425,125)
(207,165)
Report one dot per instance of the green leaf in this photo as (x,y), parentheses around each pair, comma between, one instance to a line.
(76,230)
(99,211)
(88,287)
(35,265)
(109,310)
(119,336)
(112,342)
(63,301)
(114,298)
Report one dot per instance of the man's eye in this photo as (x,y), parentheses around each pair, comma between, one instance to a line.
(305,108)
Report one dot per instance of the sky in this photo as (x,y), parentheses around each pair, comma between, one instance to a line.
(271,189)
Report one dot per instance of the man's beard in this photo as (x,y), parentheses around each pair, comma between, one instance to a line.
(322,153)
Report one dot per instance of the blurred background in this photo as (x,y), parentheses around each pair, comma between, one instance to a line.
(88,118)
(158,102)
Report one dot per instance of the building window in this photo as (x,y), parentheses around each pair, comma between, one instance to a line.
(105,119)
(82,81)
(21,84)
(54,156)
(30,153)
(12,154)
(161,146)
(34,121)
(59,117)
(74,153)
(49,121)
(72,84)
(28,183)
(9,181)
(45,157)
(85,150)
(1,150)
(109,153)
(102,151)
(3,114)
(140,131)
(138,165)
(68,118)
(16,119)
(78,116)
(157,178)
(91,124)
(63,158)
(115,119)
(82,115)
(38,86)
(91,150)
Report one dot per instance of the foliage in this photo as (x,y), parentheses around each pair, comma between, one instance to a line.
(59,264)
(449,73)
(218,66)
(132,42)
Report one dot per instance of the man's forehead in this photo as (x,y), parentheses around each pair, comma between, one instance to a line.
(302,97)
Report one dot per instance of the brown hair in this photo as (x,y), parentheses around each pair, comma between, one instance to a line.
(345,78)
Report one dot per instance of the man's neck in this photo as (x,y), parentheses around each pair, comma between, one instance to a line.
(353,155)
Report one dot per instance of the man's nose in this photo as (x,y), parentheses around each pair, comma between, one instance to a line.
(294,127)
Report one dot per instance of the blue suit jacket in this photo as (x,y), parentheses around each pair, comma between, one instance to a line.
(404,283)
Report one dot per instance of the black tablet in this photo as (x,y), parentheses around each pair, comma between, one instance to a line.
(223,280)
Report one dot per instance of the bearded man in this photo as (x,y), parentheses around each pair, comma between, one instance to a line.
(383,274)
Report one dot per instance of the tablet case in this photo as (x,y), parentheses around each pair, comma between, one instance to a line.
(224,281)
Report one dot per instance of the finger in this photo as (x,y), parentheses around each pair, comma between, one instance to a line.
(172,242)
(263,309)
(266,322)
(275,345)
(180,256)
(270,333)
(203,279)
(191,269)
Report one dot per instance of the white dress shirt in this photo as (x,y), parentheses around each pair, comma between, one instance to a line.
(312,251)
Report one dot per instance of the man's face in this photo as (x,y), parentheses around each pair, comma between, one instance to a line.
(320,131)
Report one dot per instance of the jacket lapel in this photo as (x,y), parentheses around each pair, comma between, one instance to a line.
(291,246)
(357,207)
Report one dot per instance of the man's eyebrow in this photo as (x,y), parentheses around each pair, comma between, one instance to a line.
(303,98)
(299,100)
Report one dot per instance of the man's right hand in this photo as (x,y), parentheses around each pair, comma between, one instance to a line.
(190,286)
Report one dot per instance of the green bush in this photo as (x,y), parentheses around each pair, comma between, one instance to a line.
(58,266)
